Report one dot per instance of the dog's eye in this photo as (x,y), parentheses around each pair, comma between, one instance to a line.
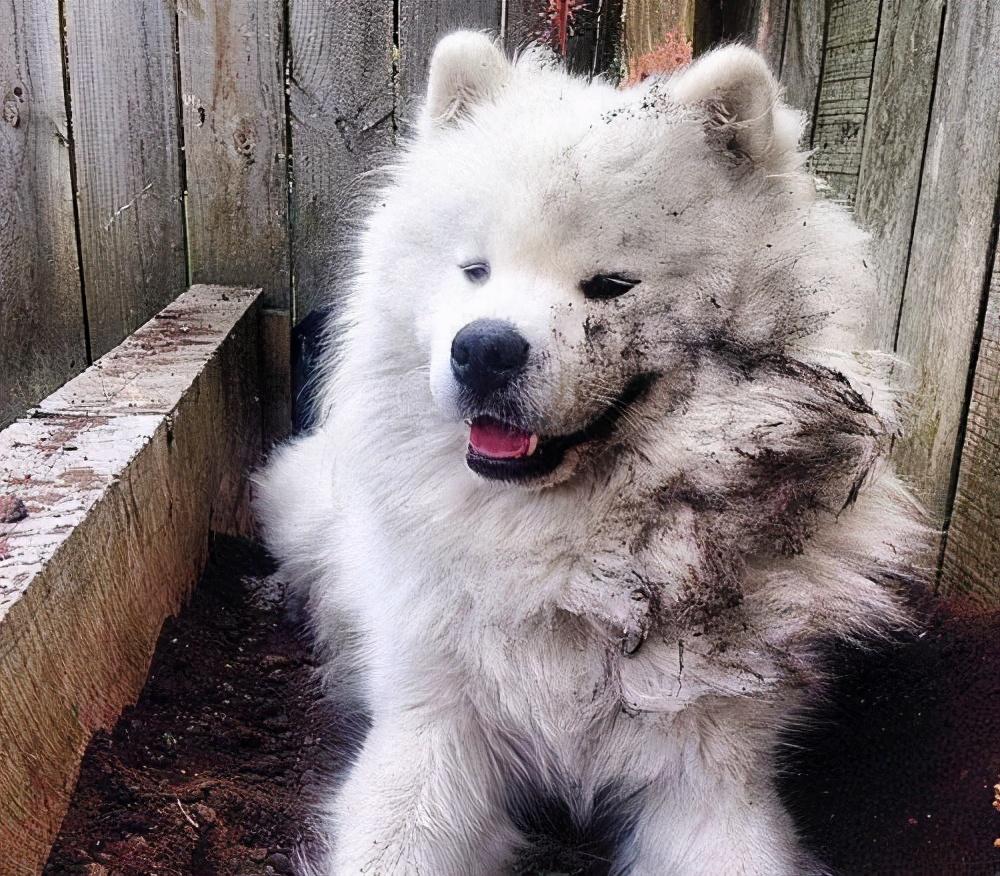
(604,286)
(476,272)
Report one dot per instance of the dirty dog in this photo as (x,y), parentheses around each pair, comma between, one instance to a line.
(599,467)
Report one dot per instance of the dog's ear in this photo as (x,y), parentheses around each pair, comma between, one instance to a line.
(746,115)
(466,69)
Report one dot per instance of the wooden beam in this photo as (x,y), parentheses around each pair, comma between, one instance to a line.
(109,492)
(42,340)
(124,102)
(950,252)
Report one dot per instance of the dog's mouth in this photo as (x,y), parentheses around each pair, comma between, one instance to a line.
(506,452)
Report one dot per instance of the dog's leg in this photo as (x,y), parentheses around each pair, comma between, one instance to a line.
(424,797)
(719,826)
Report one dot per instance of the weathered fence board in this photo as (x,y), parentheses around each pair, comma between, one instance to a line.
(656,35)
(41,312)
(767,21)
(232,80)
(894,145)
(842,100)
(342,122)
(950,263)
(524,21)
(802,62)
(125,128)
(232,59)
(972,550)
(421,25)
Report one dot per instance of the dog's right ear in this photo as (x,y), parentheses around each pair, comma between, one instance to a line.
(467,69)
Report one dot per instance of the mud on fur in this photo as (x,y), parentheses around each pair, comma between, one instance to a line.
(600,462)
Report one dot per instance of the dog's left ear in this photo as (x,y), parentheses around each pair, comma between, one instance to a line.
(746,115)
(467,69)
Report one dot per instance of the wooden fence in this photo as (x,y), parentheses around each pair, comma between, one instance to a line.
(152,144)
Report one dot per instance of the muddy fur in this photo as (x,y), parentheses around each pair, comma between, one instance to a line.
(627,632)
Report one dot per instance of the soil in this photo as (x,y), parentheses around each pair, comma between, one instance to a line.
(214,770)
(210,772)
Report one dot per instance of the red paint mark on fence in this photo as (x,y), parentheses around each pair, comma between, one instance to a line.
(674,51)
(561,17)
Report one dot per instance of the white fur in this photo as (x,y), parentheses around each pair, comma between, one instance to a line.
(491,621)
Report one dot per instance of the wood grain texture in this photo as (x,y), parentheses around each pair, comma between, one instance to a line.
(656,35)
(766,29)
(842,103)
(951,241)
(420,26)
(232,59)
(524,22)
(972,550)
(232,80)
(803,54)
(125,126)
(41,311)
(894,144)
(342,124)
(123,476)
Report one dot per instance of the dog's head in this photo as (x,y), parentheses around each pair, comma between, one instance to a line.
(565,253)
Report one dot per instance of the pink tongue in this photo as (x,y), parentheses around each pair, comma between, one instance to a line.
(491,438)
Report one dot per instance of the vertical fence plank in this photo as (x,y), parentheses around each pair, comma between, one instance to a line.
(766,28)
(421,25)
(41,311)
(951,240)
(124,103)
(972,552)
(232,79)
(524,22)
(233,97)
(656,35)
(803,53)
(842,102)
(341,106)
(894,144)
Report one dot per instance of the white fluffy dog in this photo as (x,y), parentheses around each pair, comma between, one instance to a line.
(598,469)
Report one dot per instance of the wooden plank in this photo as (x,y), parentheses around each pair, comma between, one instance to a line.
(125,127)
(951,243)
(232,59)
(842,102)
(760,23)
(232,80)
(341,105)
(525,21)
(894,144)
(121,476)
(421,25)
(972,550)
(803,54)
(584,32)
(41,329)
(657,36)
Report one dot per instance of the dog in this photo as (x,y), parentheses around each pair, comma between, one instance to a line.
(599,470)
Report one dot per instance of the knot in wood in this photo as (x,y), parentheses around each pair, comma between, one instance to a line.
(11,112)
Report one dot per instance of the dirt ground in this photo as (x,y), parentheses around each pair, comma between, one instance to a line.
(209,773)
(214,770)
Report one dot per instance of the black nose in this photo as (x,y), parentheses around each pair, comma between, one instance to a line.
(486,354)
